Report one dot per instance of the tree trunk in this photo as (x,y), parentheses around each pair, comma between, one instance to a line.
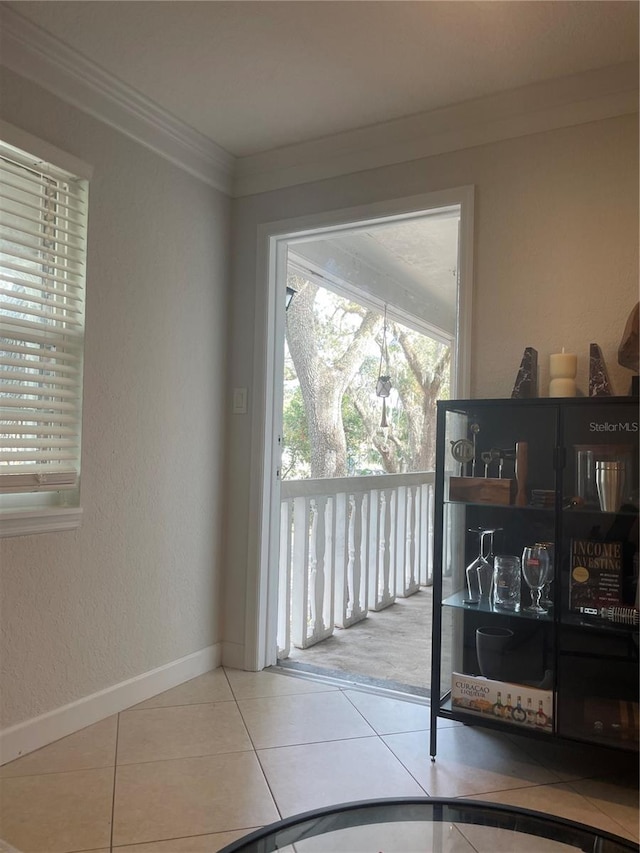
(323,385)
(422,424)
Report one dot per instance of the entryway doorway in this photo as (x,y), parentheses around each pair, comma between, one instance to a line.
(370,338)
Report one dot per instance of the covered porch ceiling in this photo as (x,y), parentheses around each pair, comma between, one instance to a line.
(408,264)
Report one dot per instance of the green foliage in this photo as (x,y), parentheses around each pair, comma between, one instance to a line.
(335,322)
(295,439)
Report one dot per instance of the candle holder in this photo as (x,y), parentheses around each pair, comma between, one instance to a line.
(563,367)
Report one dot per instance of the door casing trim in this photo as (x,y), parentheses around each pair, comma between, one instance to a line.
(262,556)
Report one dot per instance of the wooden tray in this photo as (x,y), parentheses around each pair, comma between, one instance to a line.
(483,490)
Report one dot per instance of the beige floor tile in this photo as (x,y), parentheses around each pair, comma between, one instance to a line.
(250,685)
(470,761)
(87,749)
(156,734)
(193,844)
(190,796)
(617,797)
(561,800)
(302,718)
(322,774)
(387,715)
(57,812)
(210,687)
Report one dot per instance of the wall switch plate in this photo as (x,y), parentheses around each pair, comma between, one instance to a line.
(239,406)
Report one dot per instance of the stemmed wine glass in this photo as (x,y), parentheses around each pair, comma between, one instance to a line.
(485,572)
(480,571)
(473,587)
(535,570)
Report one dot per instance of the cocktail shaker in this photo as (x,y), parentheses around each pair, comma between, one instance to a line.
(610,484)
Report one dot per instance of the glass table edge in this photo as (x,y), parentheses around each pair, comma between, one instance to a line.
(478,812)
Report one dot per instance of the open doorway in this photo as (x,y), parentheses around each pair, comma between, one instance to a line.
(370,331)
(336,558)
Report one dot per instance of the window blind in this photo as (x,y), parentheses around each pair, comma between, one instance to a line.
(43,215)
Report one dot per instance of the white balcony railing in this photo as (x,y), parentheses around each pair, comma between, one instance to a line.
(347,546)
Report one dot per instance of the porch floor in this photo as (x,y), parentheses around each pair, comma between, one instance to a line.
(390,649)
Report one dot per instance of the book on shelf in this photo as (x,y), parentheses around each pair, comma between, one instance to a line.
(595,578)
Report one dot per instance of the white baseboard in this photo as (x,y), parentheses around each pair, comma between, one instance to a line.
(32,734)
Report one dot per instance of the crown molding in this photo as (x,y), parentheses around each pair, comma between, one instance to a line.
(561,102)
(40,57)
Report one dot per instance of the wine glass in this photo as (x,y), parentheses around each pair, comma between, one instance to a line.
(476,569)
(485,571)
(535,570)
(480,571)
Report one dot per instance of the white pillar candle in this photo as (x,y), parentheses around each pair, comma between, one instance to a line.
(562,387)
(563,367)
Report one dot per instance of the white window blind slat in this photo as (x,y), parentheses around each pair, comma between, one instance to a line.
(57,263)
(48,456)
(65,218)
(67,195)
(42,252)
(57,303)
(33,175)
(56,300)
(36,220)
(35,247)
(18,328)
(20,218)
(31,481)
(61,369)
(39,377)
(10,416)
(52,432)
(32,386)
(61,192)
(59,349)
(67,317)
(25,403)
(72,280)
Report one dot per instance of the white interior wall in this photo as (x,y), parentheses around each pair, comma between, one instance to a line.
(138,585)
(556,264)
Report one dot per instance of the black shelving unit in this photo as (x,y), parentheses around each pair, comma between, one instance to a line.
(577,663)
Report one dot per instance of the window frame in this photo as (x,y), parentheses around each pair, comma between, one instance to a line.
(29,512)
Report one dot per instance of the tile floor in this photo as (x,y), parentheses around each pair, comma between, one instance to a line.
(200,765)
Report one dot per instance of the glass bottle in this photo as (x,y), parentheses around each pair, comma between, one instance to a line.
(497,708)
(519,714)
(508,708)
(541,717)
(531,714)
